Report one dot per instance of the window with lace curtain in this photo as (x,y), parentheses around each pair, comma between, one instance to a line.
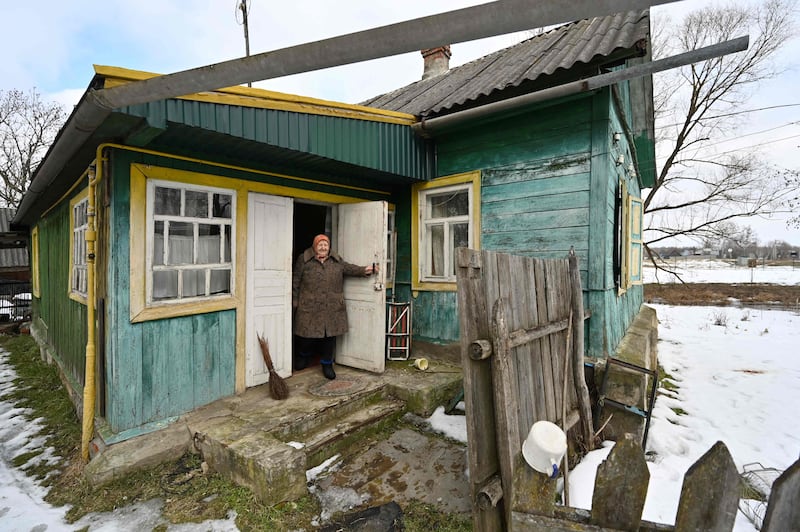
(190,242)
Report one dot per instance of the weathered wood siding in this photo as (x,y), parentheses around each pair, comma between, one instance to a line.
(64,318)
(612,312)
(548,183)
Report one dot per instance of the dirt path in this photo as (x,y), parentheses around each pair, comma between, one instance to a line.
(720,294)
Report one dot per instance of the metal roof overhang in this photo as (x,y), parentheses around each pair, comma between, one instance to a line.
(337,150)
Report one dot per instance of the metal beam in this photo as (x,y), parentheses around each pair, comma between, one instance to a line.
(486,20)
(426,127)
(477,22)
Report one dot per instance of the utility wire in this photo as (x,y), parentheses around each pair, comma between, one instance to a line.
(733,114)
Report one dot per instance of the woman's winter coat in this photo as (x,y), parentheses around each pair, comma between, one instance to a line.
(317,294)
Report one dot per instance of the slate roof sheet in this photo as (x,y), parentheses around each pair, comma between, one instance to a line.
(558,49)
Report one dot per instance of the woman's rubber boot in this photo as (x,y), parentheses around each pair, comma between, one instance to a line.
(327,369)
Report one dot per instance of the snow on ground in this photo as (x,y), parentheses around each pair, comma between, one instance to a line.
(738,373)
(693,270)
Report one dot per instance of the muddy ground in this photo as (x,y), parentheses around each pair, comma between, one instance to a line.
(721,294)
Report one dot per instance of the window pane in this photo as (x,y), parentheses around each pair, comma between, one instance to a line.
(194,283)
(220,282)
(167,201)
(196,204)
(222,205)
(459,236)
(165,285)
(181,243)
(158,243)
(227,245)
(435,257)
(448,204)
(208,244)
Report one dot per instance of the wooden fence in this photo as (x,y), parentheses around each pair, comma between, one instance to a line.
(522,353)
(521,331)
(709,497)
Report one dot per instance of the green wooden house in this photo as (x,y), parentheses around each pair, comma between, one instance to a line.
(163,235)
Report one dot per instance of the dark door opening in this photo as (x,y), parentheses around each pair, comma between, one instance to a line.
(309,221)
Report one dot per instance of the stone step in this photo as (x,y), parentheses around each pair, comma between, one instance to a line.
(296,427)
(345,429)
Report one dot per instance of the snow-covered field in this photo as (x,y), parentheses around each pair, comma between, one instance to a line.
(738,377)
(693,270)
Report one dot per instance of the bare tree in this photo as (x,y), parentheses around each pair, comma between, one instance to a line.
(699,192)
(27,128)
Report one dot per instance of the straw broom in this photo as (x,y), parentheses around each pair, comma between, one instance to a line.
(277,386)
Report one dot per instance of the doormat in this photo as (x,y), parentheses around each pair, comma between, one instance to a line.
(338,386)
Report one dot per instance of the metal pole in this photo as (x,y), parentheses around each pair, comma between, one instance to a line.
(585,85)
(243,8)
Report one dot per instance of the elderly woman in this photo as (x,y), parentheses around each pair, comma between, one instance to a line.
(318,301)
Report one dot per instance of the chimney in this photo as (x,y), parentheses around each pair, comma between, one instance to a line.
(437,61)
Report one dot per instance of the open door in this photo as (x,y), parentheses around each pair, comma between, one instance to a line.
(361,239)
(269,285)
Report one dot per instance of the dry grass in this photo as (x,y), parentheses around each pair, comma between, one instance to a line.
(720,294)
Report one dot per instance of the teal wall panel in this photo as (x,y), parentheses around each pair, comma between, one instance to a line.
(548,185)
(435,317)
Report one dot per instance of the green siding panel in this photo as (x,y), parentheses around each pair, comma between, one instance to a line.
(64,318)
(382,146)
(435,317)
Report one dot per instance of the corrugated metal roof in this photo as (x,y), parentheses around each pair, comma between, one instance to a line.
(585,42)
(13,257)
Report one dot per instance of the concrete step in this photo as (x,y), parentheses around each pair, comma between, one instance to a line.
(343,433)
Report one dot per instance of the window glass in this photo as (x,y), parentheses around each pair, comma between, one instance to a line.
(222,206)
(448,204)
(196,204)
(192,257)
(167,201)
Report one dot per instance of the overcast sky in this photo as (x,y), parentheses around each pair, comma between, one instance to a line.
(52,44)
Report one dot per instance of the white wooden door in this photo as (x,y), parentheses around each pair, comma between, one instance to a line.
(361,239)
(269,285)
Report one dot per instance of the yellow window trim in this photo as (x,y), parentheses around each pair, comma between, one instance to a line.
(140,173)
(35,261)
(473,177)
(635,241)
(84,194)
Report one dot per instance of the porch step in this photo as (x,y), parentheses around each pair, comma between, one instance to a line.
(344,432)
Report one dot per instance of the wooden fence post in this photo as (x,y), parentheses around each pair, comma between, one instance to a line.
(710,493)
(620,488)
(783,511)
(584,403)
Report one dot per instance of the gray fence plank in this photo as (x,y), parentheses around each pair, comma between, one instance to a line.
(710,494)
(783,511)
(620,487)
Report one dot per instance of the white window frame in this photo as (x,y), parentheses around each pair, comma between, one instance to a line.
(79,223)
(207,268)
(422,222)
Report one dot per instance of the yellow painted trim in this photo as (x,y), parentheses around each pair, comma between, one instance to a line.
(475,178)
(624,276)
(635,228)
(35,261)
(83,195)
(264,99)
(240,280)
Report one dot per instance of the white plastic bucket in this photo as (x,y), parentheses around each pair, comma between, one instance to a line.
(544,448)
